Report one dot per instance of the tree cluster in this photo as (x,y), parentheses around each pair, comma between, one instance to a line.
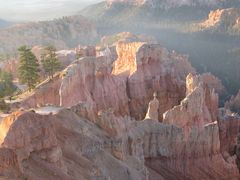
(29,67)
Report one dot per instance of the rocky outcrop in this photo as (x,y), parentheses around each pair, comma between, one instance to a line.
(211,81)
(45,93)
(125,85)
(66,57)
(229,125)
(169,155)
(98,136)
(223,21)
(68,146)
(233,103)
(63,146)
(85,51)
(120,87)
(153,108)
(199,108)
(197,117)
(151,68)
(9,164)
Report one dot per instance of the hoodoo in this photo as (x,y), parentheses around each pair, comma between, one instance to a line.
(153,108)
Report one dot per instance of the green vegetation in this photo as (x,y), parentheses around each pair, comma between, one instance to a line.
(7,88)
(28,68)
(50,61)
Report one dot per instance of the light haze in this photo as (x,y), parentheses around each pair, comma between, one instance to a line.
(30,10)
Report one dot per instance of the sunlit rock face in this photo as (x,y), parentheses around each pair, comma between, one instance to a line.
(99,131)
(125,85)
(223,21)
(148,69)
(199,108)
(211,81)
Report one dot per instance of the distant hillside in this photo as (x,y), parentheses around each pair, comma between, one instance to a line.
(66,32)
(167,4)
(125,37)
(121,13)
(138,11)
(4,23)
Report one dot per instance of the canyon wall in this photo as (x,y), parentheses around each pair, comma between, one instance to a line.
(125,85)
(99,131)
(139,70)
(67,144)
(223,21)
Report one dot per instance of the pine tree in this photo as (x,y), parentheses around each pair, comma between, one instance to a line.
(28,67)
(7,88)
(50,61)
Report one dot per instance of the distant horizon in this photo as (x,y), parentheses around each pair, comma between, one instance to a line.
(38,10)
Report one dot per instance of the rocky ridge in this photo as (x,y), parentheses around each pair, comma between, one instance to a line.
(99,131)
(139,70)
(169,3)
(63,33)
(67,145)
(223,21)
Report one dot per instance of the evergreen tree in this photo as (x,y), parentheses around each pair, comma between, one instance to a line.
(28,67)
(50,61)
(7,88)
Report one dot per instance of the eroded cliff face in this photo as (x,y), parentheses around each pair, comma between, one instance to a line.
(197,117)
(223,20)
(233,103)
(229,125)
(125,85)
(139,70)
(199,108)
(62,146)
(102,133)
(68,145)
(44,94)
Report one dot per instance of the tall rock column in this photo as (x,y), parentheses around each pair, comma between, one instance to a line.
(153,108)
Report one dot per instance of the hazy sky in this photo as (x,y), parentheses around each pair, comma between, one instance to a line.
(40,9)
